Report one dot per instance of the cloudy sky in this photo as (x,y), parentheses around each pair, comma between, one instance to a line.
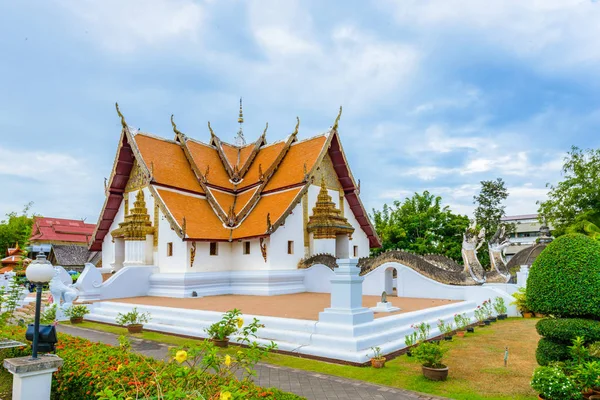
(437,95)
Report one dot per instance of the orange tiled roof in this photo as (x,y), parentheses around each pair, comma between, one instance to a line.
(168,163)
(223,191)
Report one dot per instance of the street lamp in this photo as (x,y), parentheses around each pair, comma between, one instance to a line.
(38,272)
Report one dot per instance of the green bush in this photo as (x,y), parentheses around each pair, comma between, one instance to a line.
(567,329)
(553,384)
(549,351)
(565,278)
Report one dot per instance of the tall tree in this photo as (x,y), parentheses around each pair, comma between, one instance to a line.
(420,224)
(15,228)
(489,212)
(574,202)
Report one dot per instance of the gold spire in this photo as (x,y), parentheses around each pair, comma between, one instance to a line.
(137,223)
(241,116)
(327,221)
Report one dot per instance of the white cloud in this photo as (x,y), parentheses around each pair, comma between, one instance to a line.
(126,26)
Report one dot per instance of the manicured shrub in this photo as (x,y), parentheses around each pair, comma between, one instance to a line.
(567,329)
(549,351)
(564,280)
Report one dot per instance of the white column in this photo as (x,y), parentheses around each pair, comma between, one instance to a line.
(119,254)
(522,276)
(346,296)
(32,379)
(324,246)
(135,253)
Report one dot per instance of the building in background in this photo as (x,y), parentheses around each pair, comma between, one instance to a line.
(527,231)
(65,241)
(15,257)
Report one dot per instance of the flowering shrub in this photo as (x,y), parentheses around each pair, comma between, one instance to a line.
(461,321)
(486,307)
(499,306)
(134,317)
(103,372)
(422,331)
(553,384)
(77,311)
(480,314)
(445,328)
(228,325)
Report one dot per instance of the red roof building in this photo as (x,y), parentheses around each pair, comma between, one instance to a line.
(60,231)
(14,257)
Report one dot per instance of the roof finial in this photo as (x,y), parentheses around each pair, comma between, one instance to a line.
(175,127)
(212,133)
(121,116)
(337,120)
(239,139)
(297,127)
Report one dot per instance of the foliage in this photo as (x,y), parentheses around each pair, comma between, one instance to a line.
(445,328)
(499,306)
(461,321)
(486,307)
(480,314)
(421,225)
(567,329)
(410,340)
(377,353)
(49,314)
(134,317)
(430,354)
(564,280)
(77,311)
(16,228)
(9,299)
(553,384)
(228,325)
(489,210)
(586,375)
(97,371)
(422,331)
(549,351)
(576,198)
(76,276)
(520,301)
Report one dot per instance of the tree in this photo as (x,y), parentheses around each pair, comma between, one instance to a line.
(575,201)
(420,224)
(489,212)
(16,228)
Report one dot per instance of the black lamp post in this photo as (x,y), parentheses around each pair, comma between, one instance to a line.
(38,272)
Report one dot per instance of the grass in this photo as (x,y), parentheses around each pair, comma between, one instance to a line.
(476,363)
(5,384)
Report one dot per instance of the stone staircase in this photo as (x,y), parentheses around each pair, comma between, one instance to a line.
(26,311)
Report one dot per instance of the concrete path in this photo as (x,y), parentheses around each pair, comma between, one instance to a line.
(311,385)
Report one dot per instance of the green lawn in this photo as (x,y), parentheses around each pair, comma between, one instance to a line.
(476,363)
(5,385)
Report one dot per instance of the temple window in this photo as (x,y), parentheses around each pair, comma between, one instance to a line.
(246,247)
(290,247)
(214,248)
(169,249)
(355,251)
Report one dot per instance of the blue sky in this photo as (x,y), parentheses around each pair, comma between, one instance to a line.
(437,95)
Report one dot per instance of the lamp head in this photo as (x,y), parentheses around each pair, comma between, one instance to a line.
(40,270)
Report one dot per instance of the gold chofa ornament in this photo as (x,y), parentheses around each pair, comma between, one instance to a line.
(137,222)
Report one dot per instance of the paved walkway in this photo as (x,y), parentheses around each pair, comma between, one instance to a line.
(311,385)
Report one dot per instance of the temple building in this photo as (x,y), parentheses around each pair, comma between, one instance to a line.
(15,260)
(247,211)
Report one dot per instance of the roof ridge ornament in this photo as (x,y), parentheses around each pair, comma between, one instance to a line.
(264,134)
(177,131)
(123,123)
(212,133)
(337,120)
(239,139)
(297,127)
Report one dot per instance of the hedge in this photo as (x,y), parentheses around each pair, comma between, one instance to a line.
(549,351)
(566,329)
(92,367)
(564,280)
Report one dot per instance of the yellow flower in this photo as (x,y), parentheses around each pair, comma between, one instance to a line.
(228,360)
(120,367)
(225,396)
(181,356)
(240,322)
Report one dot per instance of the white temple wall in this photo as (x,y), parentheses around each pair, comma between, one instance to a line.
(248,262)
(204,262)
(359,237)
(108,247)
(277,249)
(178,261)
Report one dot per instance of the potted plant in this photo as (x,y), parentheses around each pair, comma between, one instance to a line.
(553,384)
(410,341)
(445,329)
(520,302)
(461,322)
(480,316)
(486,306)
(76,313)
(378,360)
(220,331)
(500,308)
(586,377)
(430,356)
(133,320)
